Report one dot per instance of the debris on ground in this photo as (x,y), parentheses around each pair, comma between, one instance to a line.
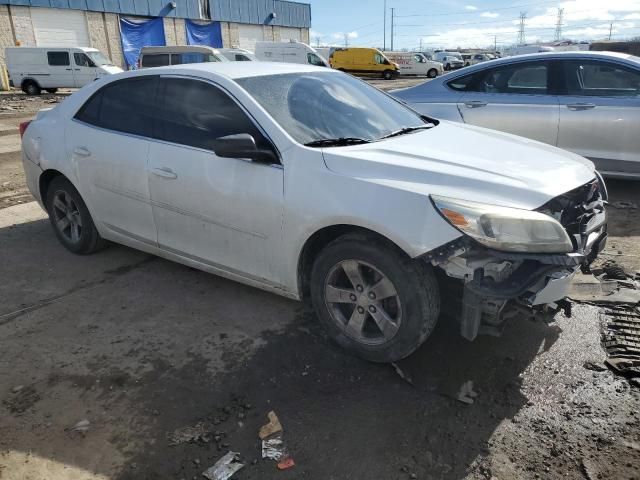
(82,426)
(594,366)
(466,394)
(622,205)
(402,374)
(21,399)
(200,432)
(600,288)
(225,467)
(273,445)
(621,338)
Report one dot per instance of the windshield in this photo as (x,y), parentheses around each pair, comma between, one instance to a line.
(98,58)
(318,106)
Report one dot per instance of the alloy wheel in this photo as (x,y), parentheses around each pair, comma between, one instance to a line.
(67,216)
(363,302)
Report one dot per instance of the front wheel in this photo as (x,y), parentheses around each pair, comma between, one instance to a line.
(30,87)
(433,73)
(373,300)
(388,74)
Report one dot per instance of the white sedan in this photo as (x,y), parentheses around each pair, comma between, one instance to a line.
(309,183)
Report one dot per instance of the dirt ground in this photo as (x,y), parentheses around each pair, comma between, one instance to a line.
(141,347)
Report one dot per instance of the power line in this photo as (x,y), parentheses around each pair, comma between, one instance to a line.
(474,12)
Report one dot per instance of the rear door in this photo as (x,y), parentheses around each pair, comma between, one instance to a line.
(108,143)
(60,70)
(600,114)
(515,98)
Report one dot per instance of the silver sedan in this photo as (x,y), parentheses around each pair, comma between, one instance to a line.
(585,102)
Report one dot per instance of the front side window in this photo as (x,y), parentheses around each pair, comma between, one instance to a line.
(527,78)
(592,78)
(313,59)
(82,60)
(126,106)
(58,59)
(317,106)
(155,60)
(379,59)
(196,113)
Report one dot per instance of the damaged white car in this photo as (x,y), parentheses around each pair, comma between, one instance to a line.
(314,185)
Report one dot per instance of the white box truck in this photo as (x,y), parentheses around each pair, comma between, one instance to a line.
(34,69)
(289,52)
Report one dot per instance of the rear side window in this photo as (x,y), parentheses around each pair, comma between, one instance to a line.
(58,59)
(155,60)
(196,113)
(602,79)
(126,106)
(190,57)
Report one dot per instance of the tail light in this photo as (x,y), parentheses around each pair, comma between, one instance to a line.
(23,127)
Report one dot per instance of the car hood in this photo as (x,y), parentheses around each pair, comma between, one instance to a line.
(465,162)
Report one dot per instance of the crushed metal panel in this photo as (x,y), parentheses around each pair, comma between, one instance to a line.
(621,338)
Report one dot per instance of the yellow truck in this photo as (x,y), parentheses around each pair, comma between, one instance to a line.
(363,61)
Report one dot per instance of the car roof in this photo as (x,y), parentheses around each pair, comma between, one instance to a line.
(235,70)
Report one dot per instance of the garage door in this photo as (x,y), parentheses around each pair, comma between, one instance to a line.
(287,33)
(249,35)
(59,27)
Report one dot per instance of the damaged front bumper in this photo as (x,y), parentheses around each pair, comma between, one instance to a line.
(499,285)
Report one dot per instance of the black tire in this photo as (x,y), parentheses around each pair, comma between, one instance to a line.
(415,288)
(433,73)
(447,67)
(52,90)
(388,74)
(31,87)
(88,239)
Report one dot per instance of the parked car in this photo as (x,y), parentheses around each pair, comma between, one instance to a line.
(585,102)
(238,55)
(289,52)
(178,55)
(450,60)
(364,61)
(477,58)
(48,68)
(415,63)
(312,184)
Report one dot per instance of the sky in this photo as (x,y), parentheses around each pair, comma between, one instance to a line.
(469,24)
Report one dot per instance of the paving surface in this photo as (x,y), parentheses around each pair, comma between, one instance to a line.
(139,347)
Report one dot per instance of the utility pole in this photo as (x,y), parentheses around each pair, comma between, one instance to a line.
(384,28)
(495,43)
(610,30)
(521,37)
(317,41)
(392,25)
(421,44)
(346,39)
(559,24)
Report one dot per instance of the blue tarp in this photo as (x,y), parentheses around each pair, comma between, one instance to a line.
(208,34)
(135,35)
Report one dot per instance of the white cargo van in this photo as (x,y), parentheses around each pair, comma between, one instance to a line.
(178,55)
(289,52)
(415,63)
(34,69)
(526,49)
(238,55)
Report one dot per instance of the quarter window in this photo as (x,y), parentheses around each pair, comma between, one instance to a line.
(196,113)
(125,106)
(58,59)
(600,79)
(462,84)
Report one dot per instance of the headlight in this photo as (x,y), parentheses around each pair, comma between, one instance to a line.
(503,228)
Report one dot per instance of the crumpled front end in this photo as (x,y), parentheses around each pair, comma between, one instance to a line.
(498,285)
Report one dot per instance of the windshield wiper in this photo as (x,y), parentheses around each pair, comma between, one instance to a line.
(336,142)
(402,131)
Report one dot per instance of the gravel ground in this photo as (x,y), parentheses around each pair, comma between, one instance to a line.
(140,347)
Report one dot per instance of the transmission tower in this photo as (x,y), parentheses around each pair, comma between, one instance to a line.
(521,37)
(559,24)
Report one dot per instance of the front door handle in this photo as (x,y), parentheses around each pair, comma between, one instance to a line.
(475,104)
(581,106)
(165,172)
(82,151)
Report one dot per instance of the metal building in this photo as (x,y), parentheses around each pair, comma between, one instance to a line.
(96,23)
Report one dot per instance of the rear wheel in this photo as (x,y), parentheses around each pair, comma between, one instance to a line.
(70,218)
(433,73)
(373,300)
(30,87)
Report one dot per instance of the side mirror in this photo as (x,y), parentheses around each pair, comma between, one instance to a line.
(242,145)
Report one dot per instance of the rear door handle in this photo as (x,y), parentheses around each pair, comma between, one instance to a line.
(581,106)
(165,172)
(475,104)
(82,151)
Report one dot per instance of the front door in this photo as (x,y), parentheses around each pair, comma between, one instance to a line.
(109,147)
(60,70)
(600,114)
(84,69)
(222,212)
(514,99)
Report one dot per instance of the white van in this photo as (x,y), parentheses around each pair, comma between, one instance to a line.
(238,55)
(289,52)
(34,69)
(415,63)
(526,49)
(178,55)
